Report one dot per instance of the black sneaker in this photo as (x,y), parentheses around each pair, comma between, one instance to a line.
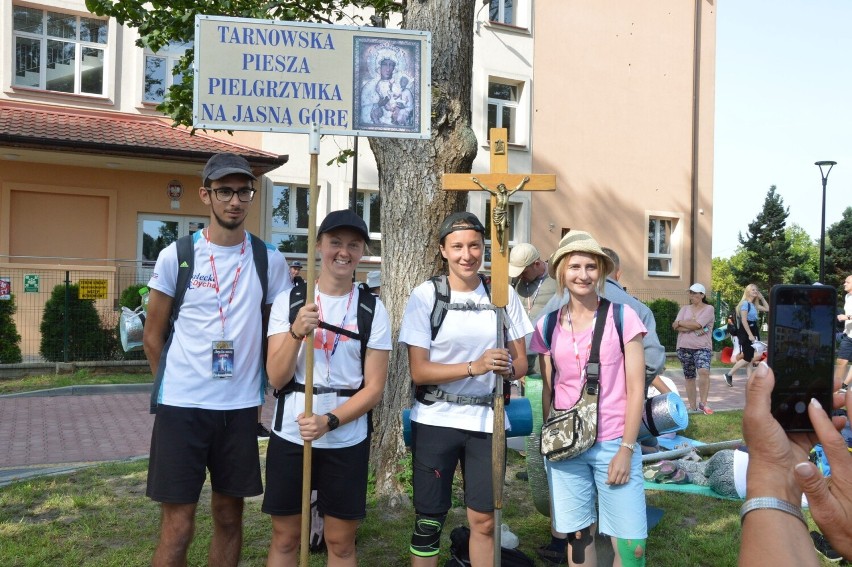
(729,380)
(824,548)
(262,432)
(843,388)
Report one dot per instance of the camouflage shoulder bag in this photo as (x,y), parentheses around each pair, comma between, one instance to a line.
(568,433)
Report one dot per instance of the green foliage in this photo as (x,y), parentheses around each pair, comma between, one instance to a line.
(838,250)
(725,283)
(803,248)
(10,349)
(665,312)
(130,297)
(87,340)
(768,253)
(160,23)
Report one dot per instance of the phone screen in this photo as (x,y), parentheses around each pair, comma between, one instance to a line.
(801,351)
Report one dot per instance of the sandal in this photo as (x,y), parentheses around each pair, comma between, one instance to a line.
(659,471)
(680,477)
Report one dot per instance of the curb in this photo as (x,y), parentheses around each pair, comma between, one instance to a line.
(87,390)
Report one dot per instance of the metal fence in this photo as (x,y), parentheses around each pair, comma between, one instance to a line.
(32,282)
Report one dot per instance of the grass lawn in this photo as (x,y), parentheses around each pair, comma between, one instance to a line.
(79,378)
(99,516)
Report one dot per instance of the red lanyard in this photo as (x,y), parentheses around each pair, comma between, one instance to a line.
(581,370)
(329,354)
(222,314)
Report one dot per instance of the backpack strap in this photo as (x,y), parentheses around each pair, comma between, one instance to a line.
(366,311)
(442,301)
(186,263)
(593,364)
(261,265)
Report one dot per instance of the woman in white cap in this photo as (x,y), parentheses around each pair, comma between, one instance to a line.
(611,469)
(346,388)
(694,326)
(455,365)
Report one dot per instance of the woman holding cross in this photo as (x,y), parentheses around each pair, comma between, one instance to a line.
(454,367)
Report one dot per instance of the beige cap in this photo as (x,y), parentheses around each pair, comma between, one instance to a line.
(521,256)
(578,241)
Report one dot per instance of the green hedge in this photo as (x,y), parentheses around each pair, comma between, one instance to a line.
(87,340)
(10,348)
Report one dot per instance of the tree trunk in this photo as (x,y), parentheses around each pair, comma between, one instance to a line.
(413,205)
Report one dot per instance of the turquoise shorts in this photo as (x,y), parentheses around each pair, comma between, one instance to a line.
(577,484)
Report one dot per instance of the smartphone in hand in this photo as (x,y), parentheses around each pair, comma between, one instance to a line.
(801,351)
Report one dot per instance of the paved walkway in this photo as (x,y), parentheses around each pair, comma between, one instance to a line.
(60,430)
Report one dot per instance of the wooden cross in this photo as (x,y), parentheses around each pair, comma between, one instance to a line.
(501,184)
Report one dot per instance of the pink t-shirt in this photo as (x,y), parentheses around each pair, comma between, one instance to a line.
(612,404)
(705,318)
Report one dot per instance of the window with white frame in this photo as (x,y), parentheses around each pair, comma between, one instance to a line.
(59,52)
(502,11)
(290,209)
(368,207)
(661,246)
(503,108)
(159,71)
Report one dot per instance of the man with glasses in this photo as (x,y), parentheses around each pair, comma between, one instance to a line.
(211,366)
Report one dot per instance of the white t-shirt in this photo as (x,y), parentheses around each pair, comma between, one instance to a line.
(464,336)
(188,374)
(335,366)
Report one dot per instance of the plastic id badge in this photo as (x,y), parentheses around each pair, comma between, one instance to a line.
(325,400)
(223,360)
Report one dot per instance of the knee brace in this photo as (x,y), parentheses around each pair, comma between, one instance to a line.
(631,552)
(426,540)
(578,541)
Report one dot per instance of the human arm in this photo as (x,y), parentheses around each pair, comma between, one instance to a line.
(283,347)
(634,373)
(774,537)
(760,303)
(426,372)
(375,376)
(545,365)
(156,330)
(660,385)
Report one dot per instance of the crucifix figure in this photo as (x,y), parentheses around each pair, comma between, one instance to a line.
(500,211)
(501,179)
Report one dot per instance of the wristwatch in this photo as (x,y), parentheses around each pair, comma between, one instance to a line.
(333,422)
(631,446)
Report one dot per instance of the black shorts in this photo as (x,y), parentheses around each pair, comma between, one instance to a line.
(435,453)
(186,442)
(745,344)
(844,351)
(338,475)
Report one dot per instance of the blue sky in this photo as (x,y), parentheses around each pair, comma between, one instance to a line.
(783,101)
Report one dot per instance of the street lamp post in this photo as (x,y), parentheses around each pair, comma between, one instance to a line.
(824,175)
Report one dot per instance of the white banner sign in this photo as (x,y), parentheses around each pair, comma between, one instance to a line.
(274,76)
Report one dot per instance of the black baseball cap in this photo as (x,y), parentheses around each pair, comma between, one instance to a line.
(343,219)
(296,264)
(224,164)
(460,221)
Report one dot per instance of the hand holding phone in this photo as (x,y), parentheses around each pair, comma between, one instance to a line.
(801,351)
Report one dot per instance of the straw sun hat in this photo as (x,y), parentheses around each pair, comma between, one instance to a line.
(578,241)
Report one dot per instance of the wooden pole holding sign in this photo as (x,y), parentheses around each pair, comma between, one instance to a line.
(313,192)
(501,184)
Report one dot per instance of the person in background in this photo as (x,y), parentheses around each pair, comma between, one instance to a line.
(374,282)
(844,353)
(455,375)
(205,421)
(774,531)
(534,285)
(296,273)
(694,325)
(747,332)
(346,388)
(609,473)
